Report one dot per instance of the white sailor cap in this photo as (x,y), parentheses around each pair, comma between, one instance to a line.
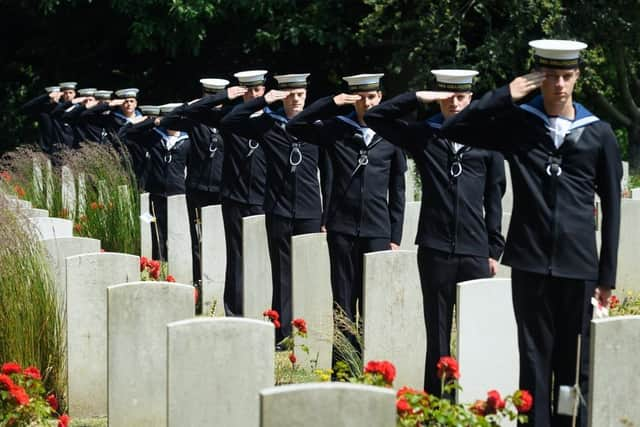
(363,82)
(127,93)
(90,91)
(50,89)
(68,85)
(292,81)
(167,108)
(150,110)
(251,78)
(564,54)
(454,80)
(103,94)
(214,85)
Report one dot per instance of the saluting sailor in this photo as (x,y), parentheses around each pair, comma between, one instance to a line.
(560,156)
(72,112)
(459,236)
(201,120)
(40,108)
(365,168)
(84,130)
(243,177)
(64,131)
(292,199)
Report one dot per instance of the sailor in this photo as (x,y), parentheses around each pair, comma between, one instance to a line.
(40,108)
(560,156)
(243,177)
(292,199)
(366,168)
(459,236)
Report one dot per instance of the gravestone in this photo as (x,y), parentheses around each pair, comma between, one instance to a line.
(613,374)
(51,228)
(88,277)
(410,181)
(35,213)
(82,194)
(213,257)
(624,183)
(37,183)
(628,277)
(48,184)
(332,404)
(216,368)
(393,299)
(57,250)
(311,296)
(487,346)
(103,192)
(68,193)
(145,226)
(410,227)
(179,239)
(507,199)
(137,317)
(635,193)
(256,268)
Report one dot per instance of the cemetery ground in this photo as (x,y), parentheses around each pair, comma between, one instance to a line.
(65,222)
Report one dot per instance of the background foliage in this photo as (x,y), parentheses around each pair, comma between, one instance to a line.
(165,46)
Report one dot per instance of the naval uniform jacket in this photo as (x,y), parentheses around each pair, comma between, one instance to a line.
(292,190)
(84,131)
(166,166)
(457,187)
(63,130)
(552,224)
(42,109)
(201,120)
(243,168)
(362,175)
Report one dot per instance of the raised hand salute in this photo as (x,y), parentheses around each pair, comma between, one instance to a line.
(524,85)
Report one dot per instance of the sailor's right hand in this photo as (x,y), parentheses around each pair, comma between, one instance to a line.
(523,85)
(345,98)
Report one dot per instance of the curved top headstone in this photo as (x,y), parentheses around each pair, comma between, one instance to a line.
(51,228)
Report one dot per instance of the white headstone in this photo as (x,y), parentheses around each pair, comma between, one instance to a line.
(213,257)
(410,227)
(624,184)
(37,183)
(393,296)
(311,296)
(635,193)
(179,239)
(628,277)
(613,376)
(145,226)
(51,228)
(57,250)
(256,268)
(35,213)
(82,194)
(137,317)
(216,369)
(88,277)
(48,183)
(328,405)
(484,309)
(410,181)
(507,199)
(68,193)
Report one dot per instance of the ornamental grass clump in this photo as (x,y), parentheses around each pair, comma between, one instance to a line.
(31,326)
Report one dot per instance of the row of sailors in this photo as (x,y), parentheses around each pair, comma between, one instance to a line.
(559,154)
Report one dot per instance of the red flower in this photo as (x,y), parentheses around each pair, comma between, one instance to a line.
(19,191)
(403,407)
(11,368)
(300,324)
(6,381)
(143,263)
(276,323)
(32,372)
(20,395)
(93,206)
(384,368)
(479,408)
(63,420)
(448,367)
(77,227)
(53,402)
(170,278)
(292,358)
(523,401)
(613,301)
(494,402)
(273,316)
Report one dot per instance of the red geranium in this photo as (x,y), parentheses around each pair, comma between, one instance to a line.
(11,368)
(32,372)
(53,402)
(479,408)
(273,316)
(292,358)
(63,420)
(403,407)
(6,381)
(448,368)
(20,191)
(170,278)
(93,205)
(155,273)
(523,401)
(19,394)
(613,301)
(143,263)
(300,324)
(494,402)
(384,368)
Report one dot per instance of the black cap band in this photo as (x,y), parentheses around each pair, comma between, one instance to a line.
(564,64)
(454,87)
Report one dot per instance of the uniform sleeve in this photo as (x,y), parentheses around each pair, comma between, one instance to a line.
(60,109)
(397,195)
(495,186)
(71,116)
(310,125)
(608,176)
(37,105)
(94,115)
(240,122)
(485,123)
(386,119)
(177,120)
(204,110)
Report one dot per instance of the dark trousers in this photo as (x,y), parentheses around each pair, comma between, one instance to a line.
(440,272)
(158,208)
(196,200)
(346,255)
(550,313)
(279,232)
(232,214)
